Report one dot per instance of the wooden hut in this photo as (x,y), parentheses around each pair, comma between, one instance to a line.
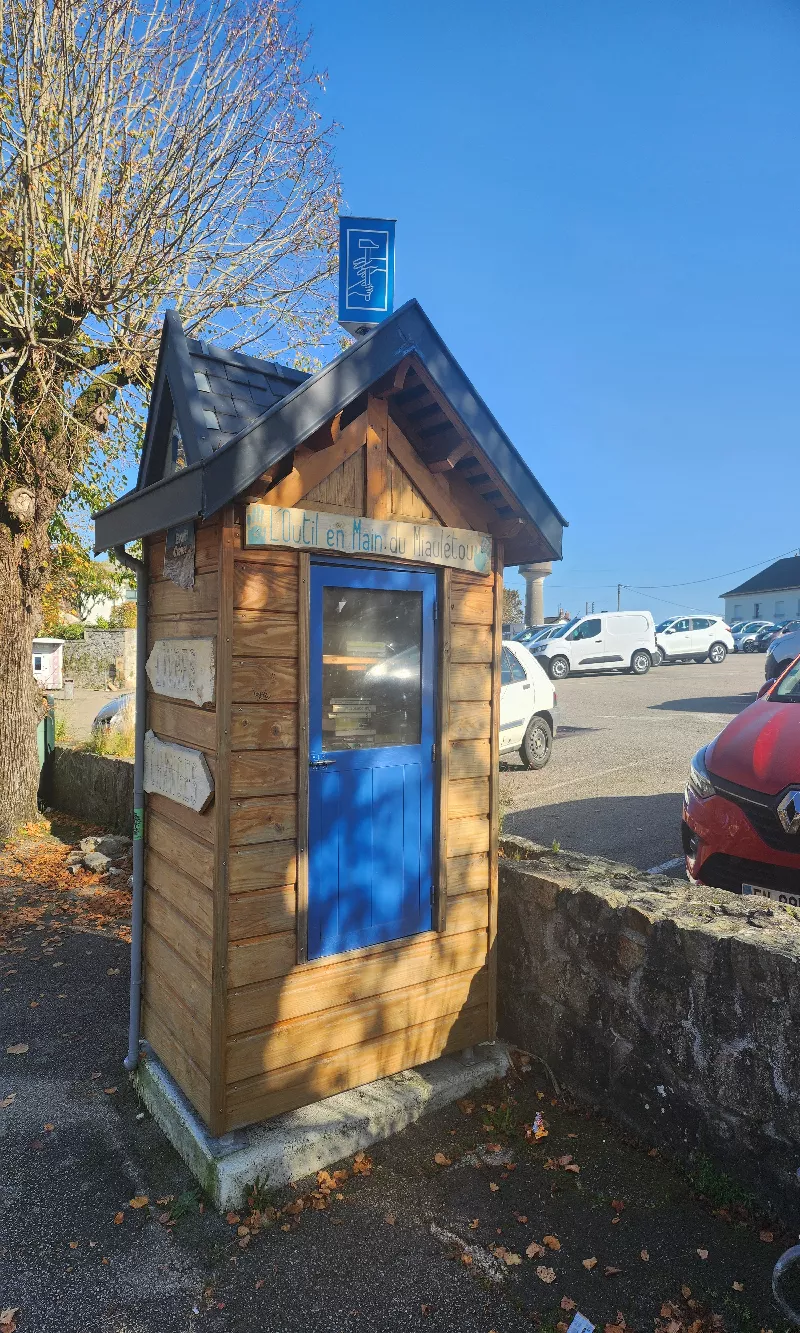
(325,557)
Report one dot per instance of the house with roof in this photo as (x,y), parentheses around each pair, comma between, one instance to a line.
(772,594)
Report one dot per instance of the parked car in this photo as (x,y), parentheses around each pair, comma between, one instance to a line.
(782,652)
(611,641)
(118,712)
(744,640)
(741,813)
(766,636)
(528,707)
(694,639)
(528,634)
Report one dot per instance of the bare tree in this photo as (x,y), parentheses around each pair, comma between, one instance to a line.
(153,153)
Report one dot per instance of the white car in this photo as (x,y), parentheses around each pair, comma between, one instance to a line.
(528,707)
(694,639)
(610,641)
(744,640)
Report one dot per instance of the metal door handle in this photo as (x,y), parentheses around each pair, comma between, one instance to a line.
(320,763)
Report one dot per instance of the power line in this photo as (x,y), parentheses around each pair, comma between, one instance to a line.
(687,583)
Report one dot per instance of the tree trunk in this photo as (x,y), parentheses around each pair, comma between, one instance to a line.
(21,571)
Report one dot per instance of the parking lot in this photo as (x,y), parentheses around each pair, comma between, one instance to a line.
(615,781)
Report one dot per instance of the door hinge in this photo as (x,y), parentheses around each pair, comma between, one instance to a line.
(435,612)
(433,894)
(433,753)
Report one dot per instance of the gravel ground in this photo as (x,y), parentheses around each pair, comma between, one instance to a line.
(615,781)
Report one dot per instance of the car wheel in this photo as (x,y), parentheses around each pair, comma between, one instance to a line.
(640,663)
(537,743)
(658,657)
(749,646)
(559,668)
(717,653)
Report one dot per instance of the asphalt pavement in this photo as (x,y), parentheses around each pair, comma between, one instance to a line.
(614,785)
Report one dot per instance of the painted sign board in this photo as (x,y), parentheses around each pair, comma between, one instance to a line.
(179,556)
(340,534)
(177,772)
(183,669)
(366,272)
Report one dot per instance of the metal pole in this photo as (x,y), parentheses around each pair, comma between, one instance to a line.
(619,595)
(137,903)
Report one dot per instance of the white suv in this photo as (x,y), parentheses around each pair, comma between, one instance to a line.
(694,639)
(528,707)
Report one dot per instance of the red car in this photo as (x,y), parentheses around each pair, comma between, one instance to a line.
(741,811)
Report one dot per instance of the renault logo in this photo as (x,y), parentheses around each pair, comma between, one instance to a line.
(789,812)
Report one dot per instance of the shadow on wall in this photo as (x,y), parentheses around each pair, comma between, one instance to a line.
(730,704)
(605,825)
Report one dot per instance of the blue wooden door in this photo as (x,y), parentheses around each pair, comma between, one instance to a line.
(371,764)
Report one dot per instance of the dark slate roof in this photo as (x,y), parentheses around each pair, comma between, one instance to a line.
(232,435)
(775,578)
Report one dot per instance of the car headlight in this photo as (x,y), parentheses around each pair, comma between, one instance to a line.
(699,781)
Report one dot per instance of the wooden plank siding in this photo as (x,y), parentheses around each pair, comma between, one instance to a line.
(180,844)
(244,1023)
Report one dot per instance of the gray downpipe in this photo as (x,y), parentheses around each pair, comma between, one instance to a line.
(137,905)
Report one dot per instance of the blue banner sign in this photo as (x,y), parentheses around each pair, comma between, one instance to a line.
(366,272)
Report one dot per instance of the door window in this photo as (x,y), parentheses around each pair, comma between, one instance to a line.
(701,624)
(588,629)
(511,669)
(371,676)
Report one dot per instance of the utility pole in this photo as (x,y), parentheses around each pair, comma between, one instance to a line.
(619,595)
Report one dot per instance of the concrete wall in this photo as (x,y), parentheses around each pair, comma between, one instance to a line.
(675,1010)
(91,786)
(771,606)
(101,657)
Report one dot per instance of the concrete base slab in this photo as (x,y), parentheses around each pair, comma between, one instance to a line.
(297,1144)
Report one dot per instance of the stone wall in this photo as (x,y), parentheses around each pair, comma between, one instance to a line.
(92,787)
(102,657)
(675,1010)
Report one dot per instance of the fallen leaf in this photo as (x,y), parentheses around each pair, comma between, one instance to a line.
(611,1271)
(510,1258)
(390,1218)
(474,1224)
(110,1091)
(535,1250)
(521,1217)
(260,1282)
(466,1259)
(243,1231)
(34,1004)
(141,1201)
(703,1254)
(73,1245)
(545,1274)
(589,1263)
(552,1242)
(8,1319)
(686,1292)
(738,1286)
(49,1128)
(618,1205)
(119,1218)
(767,1236)
(244,1241)
(572,1167)
(666,1311)
(466,1106)
(362,1165)
(494,1188)
(7,1101)
(645,1256)
(567,1303)
(565,1160)
(21,1048)
(426,1309)
(441,1160)
(232,1218)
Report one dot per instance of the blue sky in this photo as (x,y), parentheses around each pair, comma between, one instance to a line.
(598,207)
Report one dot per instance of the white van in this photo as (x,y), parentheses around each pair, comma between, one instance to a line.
(612,641)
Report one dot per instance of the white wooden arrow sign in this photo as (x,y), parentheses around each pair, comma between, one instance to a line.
(183,669)
(177,772)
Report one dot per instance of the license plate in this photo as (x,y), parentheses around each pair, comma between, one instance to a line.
(777,895)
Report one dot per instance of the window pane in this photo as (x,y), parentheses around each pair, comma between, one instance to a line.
(371,674)
(507,670)
(517,672)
